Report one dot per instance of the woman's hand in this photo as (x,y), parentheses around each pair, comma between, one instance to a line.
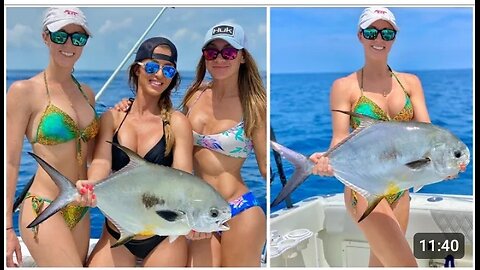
(13,246)
(322,166)
(123,105)
(193,235)
(86,195)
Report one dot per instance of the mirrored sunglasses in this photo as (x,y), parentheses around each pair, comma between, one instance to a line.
(153,67)
(372,33)
(60,37)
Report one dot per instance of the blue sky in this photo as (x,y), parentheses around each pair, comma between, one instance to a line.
(323,39)
(116,29)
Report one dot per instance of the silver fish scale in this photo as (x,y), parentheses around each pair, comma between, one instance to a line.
(374,159)
(120,198)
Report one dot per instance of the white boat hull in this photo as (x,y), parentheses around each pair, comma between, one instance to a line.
(335,240)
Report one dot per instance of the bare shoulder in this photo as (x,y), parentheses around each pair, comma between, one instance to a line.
(202,88)
(345,85)
(410,81)
(408,77)
(180,121)
(194,97)
(23,91)
(113,116)
(23,87)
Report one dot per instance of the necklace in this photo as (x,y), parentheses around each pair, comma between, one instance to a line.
(386,91)
(48,91)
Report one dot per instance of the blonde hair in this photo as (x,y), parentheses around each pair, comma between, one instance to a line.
(164,103)
(252,92)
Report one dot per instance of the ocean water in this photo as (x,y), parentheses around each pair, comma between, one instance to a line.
(117,90)
(300,117)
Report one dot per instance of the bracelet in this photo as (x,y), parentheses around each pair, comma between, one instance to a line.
(9,228)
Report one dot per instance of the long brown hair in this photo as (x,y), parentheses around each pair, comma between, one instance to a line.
(251,90)
(164,103)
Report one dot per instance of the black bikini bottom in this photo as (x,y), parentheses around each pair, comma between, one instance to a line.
(139,248)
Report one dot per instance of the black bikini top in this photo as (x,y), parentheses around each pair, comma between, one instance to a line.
(155,155)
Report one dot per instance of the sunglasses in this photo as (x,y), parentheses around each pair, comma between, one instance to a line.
(228,53)
(372,33)
(60,37)
(153,67)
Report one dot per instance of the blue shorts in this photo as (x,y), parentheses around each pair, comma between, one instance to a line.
(242,203)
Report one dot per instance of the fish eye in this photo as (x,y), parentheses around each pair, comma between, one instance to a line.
(457,153)
(213,212)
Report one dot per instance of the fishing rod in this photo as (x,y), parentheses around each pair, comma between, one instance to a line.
(97,96)
(281,172)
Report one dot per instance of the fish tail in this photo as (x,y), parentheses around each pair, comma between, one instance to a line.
(303,169)
(66,195)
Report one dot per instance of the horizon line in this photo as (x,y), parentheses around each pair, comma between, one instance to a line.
(410,70)
(263,71)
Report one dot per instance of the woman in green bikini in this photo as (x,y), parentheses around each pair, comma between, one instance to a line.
(378,91)
(56,113)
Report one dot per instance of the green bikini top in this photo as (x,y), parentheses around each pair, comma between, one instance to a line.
(56,126)
(366,106)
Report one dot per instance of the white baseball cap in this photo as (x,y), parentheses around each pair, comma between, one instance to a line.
(58,17)
(373,14)
(231,33)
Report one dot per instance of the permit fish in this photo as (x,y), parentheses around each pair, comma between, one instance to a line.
(381,158)
(144,199)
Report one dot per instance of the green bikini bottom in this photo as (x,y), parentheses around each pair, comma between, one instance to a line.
(391,199)
(72,213)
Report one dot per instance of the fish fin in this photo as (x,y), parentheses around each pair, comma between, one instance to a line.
(125,235)
(365,120)
(171,215)
(418,164)
(372,203)
(135,159)
(358,189)
(417,189)
(303,169)
(67,193)
(172,238)
(124,238)
(224,227)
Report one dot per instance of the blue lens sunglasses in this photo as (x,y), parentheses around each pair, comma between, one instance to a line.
(153,67)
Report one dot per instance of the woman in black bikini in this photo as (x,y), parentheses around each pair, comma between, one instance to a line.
(156,132)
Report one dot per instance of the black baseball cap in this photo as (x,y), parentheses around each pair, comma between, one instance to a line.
(146,50)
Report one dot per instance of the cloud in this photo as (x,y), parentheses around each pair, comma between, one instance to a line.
(180,33)
(126,44)
(21,35)
(262,29)
(110,26)
(185,33)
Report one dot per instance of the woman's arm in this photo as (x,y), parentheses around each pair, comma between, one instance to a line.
(101,164)
(19,111)
(259,139)
(183,148)
(102,155)
(340,100)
